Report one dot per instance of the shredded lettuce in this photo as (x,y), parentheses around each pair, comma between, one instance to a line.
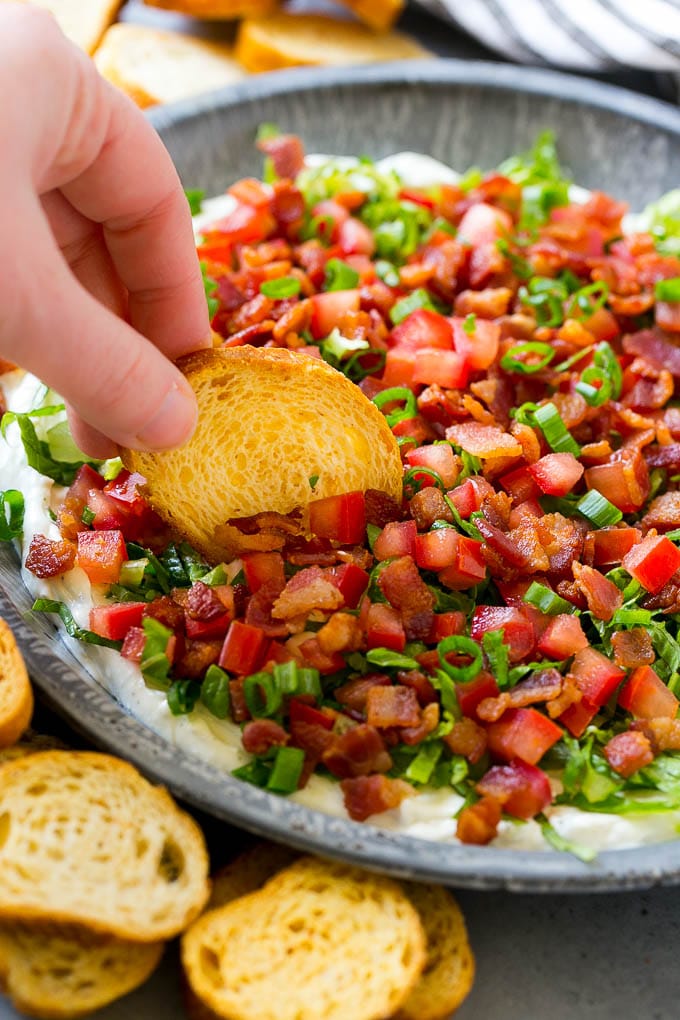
(662,220)
(544,183)
(335,176)
(50,451)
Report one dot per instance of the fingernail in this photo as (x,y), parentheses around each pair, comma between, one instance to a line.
(174,422)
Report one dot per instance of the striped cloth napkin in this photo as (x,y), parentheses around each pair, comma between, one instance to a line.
(584,35)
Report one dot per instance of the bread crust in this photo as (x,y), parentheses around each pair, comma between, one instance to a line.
(379,15)
(16,694)
(218,9)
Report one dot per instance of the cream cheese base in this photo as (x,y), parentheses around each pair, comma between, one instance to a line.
(431,814)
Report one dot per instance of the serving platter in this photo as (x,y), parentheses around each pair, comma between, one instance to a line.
(463,114)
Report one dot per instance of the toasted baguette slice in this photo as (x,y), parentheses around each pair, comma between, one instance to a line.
(450,966)
(318,940)
(30,743)
(85,839)
(16,694)
(153,66)
(377,14)
(269,420)
(83,21)
(290,40)
(249,871)
(218,9)
(60,975)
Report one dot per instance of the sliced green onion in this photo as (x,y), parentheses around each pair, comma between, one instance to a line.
(588,300)
(281,287)
(422,766)
(110,469)
(263,696)
(286,770)
(215,693)
(496,651)
(256,772)
(520,267)
(667,290)
(155,664)
(412,302)
(546,600)
(132,572)
(286,677)
(513,360)
(355,368)
(413,480)
(525,413)
(470,324)
(606,360)
(87,516)
(339,346)
(195,198)
(598,510)
(387,659)
(210,287)
(266,131)
(555,431)
(11,515)
(182,696)
(440,224)
(72,628)
(574,359)
(460,645)
(595,396)
(340,276)
(632,618)
(546,302)
(387,272)
(397,393)
(309,682)
(216,576)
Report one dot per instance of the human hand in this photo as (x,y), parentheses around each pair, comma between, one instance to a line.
(99,282)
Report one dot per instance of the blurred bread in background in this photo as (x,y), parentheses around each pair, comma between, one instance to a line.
(154,66)
(377,14)
(219,9)
(83,21)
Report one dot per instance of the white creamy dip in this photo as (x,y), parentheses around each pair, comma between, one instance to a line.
(431,814)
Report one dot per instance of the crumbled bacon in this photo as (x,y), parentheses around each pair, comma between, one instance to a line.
(663,734)
(261,735)
(467,738)
(484,441)
(357,752)
(428,506)
(196,657)
(342,633)
(601,594)
(286,153)
(354,693)
(49,558)
(381,508)
(429,721)
(202,602)
(420,683)
(478,823)
(632,648)
(628,752)
(403,587)
(259,611)
(392,706)
(371,795)
(167,612)
(541,686)
(307,590)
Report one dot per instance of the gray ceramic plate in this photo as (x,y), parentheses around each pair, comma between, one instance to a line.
(464,114)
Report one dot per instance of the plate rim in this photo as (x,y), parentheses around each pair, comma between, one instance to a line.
(66,686)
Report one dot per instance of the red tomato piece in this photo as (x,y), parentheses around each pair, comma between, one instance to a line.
(86,478)
(596,676)
(470,695)
(399,366)
(318,659)
(447,369)
(646,696)
(522,733)
(563,637)
(465,498)
(610,545)
(109,513)
(243,225)
(624,481)
(483,223)
(520,484)
(418,198)
(479,347)
(424,328)
(340,518)
(243,648)
(523,789)
(114,621)
(262,568)
(556,474)
(447,624)
(579,716)
(300,712)
(250,191)
(205,629)
(396,539)
(125,489)
(469,568)
(384,628)
(436,549)
(335,213)
(351,581)
(355,238)
(603,325)
(133,644)
(329,308)
(518,629)
(101,554)
(438,457)
(652,562)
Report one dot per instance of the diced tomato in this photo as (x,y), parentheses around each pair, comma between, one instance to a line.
(125,489)
(86,478)
(447,369)
(415,428)
(623,481)
(335,214)
(440,458)
(482,223)
(646,696)
(610,545)
(470,695)
(329,308)
(522,733)
(418,197)
(667,315)
(424,328)
(447,624)
(396,539)
(518,629)
(529,508)
(628,752)
(596,675)
(243,225)
(262,568)
(602,324)
(351,581)
(437,549)
(109,513)
(133,644)
(205,629)
(114,621)
(250,191)
(556,474)
(341,518)
(469,568)
(399,366)
(479,347)
(300,712)
(579,716)
(653,561)
(523,789)
(520,484)
(563,637)
(355,238)
(384,628)
(243,648)
(101,554)
(465,498)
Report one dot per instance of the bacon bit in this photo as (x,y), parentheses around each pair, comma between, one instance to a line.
(496,507)
(650,393)
(313,552)
(663,734)
(133,644)
(230,543)
(312,738)
(664,457)
(260,735)
(202,603)
(654,347)
(286,153)
(429,721)
(342,633)
(468,739)
(237,699)
(489,303)
(484,441)
(294,320)
(381,509)
(477,411)
(259,611)
(628,752)
(167,612)
(572,408)
(428,506)
(425,692)
(371,795)
(48,558)
(478,823)
(357,752)
(542,686)
(403,587)
(354,693)
(632,648)
(570,591)
(565,543)
(664,511)
(447,259)
(571,695)
(392,706)
(601,594)
(667,599)
(308,590)
(359,556)
(437,407)
(526,538)
(528,440)
(598,452)
(196,657)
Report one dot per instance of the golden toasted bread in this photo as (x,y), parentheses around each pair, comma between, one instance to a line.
(58,975)
(153,66)
(83,21)
(16,695)
(217,9)
(269,420)
(86,840)
(318,940)
(450,966)
(248,872)
(30,743)
(290,40)
(377,14)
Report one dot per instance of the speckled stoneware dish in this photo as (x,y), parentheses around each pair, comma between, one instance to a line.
(463,114)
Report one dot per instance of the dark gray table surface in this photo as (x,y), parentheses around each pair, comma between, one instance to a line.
(591,957)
